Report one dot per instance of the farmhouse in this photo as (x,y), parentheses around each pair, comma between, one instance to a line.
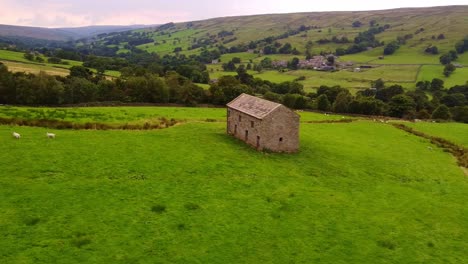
(263,124)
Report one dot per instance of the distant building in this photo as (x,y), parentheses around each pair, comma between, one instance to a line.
(263,124)
(214,61)
(279,64)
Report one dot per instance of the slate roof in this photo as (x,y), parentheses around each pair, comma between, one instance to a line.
(253,106)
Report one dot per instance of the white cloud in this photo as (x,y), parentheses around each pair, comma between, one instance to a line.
(67,13)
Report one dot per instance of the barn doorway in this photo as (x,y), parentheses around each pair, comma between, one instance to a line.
(246,135)
(235,129)
(258,141)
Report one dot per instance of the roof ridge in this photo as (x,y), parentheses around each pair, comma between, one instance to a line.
(254,106)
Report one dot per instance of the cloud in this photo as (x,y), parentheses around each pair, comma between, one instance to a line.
(69,13)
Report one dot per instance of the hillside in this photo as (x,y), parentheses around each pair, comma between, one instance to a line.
(247,38)
(450,20)
(61,34)
(359,192)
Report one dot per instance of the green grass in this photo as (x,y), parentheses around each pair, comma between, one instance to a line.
(16,62)
(13,56)
(356,193)
(34,68)
(134,115)
(244,56)
(458,77)
(455,132)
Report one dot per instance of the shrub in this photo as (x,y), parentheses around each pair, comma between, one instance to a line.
(442,112)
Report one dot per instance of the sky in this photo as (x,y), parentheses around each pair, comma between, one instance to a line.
(76,13)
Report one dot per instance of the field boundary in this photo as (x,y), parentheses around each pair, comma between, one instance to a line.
(459,152)
(59,124)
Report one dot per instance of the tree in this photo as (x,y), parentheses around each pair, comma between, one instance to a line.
(29,56)
(286,49)
(226,89)
(323,103)
(294,63)
(80,90)
(391,48)
(432,50)
(437,84)
(442,112)
(230,66)
(449,69)
(342,102)
(54,60)
(454,99)
(80,72)
(366,106)
(357,24)
(378,84)
(401,105)
(236,60)
(460,113)
(386,94)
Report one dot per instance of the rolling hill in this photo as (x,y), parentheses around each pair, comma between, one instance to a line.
(62,34)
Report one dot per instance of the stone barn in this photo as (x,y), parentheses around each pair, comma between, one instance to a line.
(263,124)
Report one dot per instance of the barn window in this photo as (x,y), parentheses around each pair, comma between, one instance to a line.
(240,118)
(281,139)
(252,123)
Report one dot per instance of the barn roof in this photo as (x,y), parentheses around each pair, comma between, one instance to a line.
(253,106)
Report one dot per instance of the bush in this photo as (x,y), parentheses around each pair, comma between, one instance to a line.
(442,112)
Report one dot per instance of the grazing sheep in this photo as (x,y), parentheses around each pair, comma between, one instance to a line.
(16,135)
(50,135)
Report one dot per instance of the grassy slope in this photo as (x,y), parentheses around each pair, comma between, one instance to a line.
(451,21)
(16,62)
(139,115)
(356,193)
(455,132)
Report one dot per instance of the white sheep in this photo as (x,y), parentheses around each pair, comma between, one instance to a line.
(16,135)
(50,135)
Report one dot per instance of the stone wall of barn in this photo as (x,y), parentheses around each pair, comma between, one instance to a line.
(278,132)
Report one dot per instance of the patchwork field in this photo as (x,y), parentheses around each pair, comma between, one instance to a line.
(360,192)
(455,132)
(16,62)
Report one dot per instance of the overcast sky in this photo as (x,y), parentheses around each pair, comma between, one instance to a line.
(74,13)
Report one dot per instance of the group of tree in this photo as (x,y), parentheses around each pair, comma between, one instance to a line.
(142,86)
(364,40)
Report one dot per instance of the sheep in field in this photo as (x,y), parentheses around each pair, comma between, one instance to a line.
(16,135)
(50,135)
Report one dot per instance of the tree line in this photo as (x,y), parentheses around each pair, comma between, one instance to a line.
(83,86)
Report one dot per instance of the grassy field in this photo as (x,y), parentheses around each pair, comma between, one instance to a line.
(455,132)
(34,68)
(361,192)
(458,77)
(134,115)
(16,62)
(423,25)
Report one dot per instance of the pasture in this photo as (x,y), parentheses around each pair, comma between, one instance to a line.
(133,115)
(359,192)
(454,132)
(16,62)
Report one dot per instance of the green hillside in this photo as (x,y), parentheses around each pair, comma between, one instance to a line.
(16,62)
(420,28)
(360,192)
